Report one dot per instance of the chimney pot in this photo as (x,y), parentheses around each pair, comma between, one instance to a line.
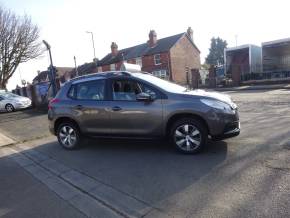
(114,48)
(152,38)
(190,33)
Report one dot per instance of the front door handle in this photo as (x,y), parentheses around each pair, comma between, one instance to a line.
(116,108)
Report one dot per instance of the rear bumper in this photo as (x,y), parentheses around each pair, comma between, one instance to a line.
(51,122)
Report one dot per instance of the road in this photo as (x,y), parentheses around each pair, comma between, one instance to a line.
(246,176)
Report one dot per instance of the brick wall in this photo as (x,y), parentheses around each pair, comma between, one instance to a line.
(148,63)
(183,54)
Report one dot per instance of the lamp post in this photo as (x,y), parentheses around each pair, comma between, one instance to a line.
(93,43)
(52,72)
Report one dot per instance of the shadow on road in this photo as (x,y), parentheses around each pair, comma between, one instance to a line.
(148,170)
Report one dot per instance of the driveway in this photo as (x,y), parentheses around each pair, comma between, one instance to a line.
(246,176)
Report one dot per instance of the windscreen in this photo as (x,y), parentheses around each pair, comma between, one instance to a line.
(163,84)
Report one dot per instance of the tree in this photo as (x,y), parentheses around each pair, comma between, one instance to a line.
(216,52)
(18,43)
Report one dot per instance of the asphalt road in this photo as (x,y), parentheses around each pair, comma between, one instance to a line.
(246,176)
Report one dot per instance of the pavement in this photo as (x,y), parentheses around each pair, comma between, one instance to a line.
(253,87)
(246,176)
(4,140)
(24,125)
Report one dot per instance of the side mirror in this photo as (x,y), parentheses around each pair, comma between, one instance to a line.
(144,97)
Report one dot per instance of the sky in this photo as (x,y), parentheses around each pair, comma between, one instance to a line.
(63,23)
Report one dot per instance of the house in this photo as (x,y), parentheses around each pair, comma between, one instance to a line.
(43,75)
(170,58)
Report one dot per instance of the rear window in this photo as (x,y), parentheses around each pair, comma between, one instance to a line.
(92,90)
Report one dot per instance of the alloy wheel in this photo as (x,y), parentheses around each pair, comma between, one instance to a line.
(67,136)
(9,108)
(187,137)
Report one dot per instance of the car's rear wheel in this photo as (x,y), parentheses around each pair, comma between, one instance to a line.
(68,135)
(188,135)
(9,108)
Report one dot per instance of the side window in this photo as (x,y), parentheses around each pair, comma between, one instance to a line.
(71,92)
(154,94)
(93,90)
(1,98)
(127,90)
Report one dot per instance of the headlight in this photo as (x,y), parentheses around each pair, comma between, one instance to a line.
(218,105)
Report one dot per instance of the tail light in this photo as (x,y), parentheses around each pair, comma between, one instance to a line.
(52,101)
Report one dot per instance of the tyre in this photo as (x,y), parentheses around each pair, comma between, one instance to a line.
(68,135)
(189,135)
(9,108)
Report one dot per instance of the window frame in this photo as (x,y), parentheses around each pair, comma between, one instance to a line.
(111,66)
(74,85)
(139,59)
(159,59)
(159,94)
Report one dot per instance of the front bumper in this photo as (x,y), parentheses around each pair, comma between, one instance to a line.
(22,105)
(230,130)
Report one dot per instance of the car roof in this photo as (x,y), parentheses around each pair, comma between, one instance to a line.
(103,75)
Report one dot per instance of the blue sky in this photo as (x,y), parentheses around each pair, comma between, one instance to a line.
(64,24)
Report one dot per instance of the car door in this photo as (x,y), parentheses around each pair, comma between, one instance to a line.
(90,107)
(130,117)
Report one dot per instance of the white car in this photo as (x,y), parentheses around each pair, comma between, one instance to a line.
(11,102)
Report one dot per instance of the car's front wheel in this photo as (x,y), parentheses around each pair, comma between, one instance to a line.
(189,135)
(9,108)
(68,135)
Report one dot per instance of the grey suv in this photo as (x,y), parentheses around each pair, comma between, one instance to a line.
(139,105)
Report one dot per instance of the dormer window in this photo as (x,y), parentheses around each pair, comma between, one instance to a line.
(157,59)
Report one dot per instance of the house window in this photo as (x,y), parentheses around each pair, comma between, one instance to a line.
(113,67)
(139,61)
(157,60)
(163,74)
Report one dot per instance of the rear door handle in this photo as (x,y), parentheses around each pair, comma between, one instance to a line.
(79,107)
(116,108)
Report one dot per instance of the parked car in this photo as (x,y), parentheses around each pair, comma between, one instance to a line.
(139,105)
(11,102)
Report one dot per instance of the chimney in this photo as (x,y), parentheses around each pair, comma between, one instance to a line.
(190,33)
(114,48)
(152,38)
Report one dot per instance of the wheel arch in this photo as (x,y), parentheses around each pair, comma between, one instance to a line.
(61,120)
(10,103)
(178,116)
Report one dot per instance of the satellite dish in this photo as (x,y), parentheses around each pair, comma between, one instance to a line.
(23,82)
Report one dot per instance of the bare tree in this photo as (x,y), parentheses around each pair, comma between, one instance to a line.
(18,43)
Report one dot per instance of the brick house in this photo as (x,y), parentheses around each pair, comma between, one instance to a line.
(170,58)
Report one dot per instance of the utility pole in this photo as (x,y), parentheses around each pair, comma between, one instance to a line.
(236,37)
(51,70)
(93,43)
(76,69)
